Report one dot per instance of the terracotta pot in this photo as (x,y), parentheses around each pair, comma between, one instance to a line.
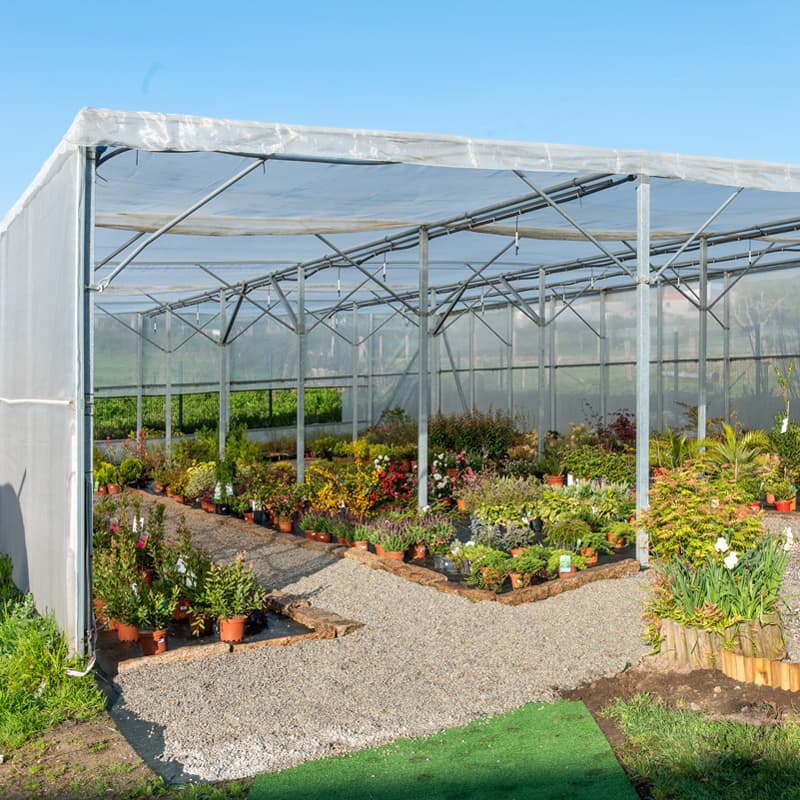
(159,488)
(148,575)
(232,629)
(770,498)
(309,534)
(342,540)
(491,577)
(397,555)
(102,489)
(783,505)
(590,555)
(517,551)
(416,552)
(285,524)
(518,580)
(554,480)
(323,536)
(181,610)
(616,541)
(127,633)
(378,550)
(248,516)
(572,571)
(100,615)
(361,544)
(460,504)
(755,505)
(207,505)
(114,488)
(153,642)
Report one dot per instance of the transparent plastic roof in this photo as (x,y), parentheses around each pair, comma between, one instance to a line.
(187,207)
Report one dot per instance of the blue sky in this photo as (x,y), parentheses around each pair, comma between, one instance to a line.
(687,77)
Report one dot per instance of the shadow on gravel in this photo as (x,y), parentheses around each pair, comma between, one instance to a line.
(147,739)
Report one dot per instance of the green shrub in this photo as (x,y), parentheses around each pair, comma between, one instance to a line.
(481,432)
(690,511)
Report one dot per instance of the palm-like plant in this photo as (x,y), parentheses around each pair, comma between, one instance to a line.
(734,454)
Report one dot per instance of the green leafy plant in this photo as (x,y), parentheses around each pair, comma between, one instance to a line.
(567,534)
(131,469)
(155,605)
(689,511)
(229,591)
(531,562)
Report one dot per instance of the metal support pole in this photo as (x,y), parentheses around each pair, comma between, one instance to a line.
(139,373)
(642,362)
(84,417)
(510,356)
(301,373)
(675,376)
(660,356)
(224,385)
(702,342)
(602,343)
(370,358)
(471,356)
(540,366)
(423,386)
(551,370)
(436,355)
(168,388)
(354,352)
(726,348)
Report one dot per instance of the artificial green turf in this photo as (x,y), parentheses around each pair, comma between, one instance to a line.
(546,751)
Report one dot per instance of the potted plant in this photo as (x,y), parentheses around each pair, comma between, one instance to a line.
(200,482)
(131,471)
(490,569)
(154,610)
(317,525)
(228,593)
(161,477)
(551,466)
(592,545)
(389,538)
(567,533)
(117,582)
(782,489)
(620,534)
(223,487)
(285,502)
(528,566)
(562,563)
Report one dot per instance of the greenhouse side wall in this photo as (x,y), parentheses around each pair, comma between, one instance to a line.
(39,424)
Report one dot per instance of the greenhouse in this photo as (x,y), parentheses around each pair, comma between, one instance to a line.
(159,255)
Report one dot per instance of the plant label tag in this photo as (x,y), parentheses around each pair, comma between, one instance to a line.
(229,489)
(217,492)
(565,563)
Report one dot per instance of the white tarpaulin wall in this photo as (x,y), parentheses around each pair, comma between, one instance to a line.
(269,243)
(42,492)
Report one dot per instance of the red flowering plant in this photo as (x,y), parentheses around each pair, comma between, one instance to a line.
(391,483)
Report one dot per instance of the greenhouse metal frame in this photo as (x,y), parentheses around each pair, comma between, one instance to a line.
(158,254)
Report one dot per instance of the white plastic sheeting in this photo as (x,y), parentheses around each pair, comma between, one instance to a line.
(41,403)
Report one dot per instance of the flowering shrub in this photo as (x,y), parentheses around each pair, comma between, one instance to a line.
(349,486)
(725,589)
(392,484)
(689,512)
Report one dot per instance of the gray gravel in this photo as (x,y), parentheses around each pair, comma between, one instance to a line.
(424,661)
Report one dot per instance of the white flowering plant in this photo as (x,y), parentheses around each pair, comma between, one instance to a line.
(723,590)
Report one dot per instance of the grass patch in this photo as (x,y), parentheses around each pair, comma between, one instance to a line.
(35,692)
(542,750)
(682,755)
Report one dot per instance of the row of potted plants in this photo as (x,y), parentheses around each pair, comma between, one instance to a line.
(142,583)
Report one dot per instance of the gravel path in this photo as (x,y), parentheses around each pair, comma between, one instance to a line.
(424,661)
(790,585)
